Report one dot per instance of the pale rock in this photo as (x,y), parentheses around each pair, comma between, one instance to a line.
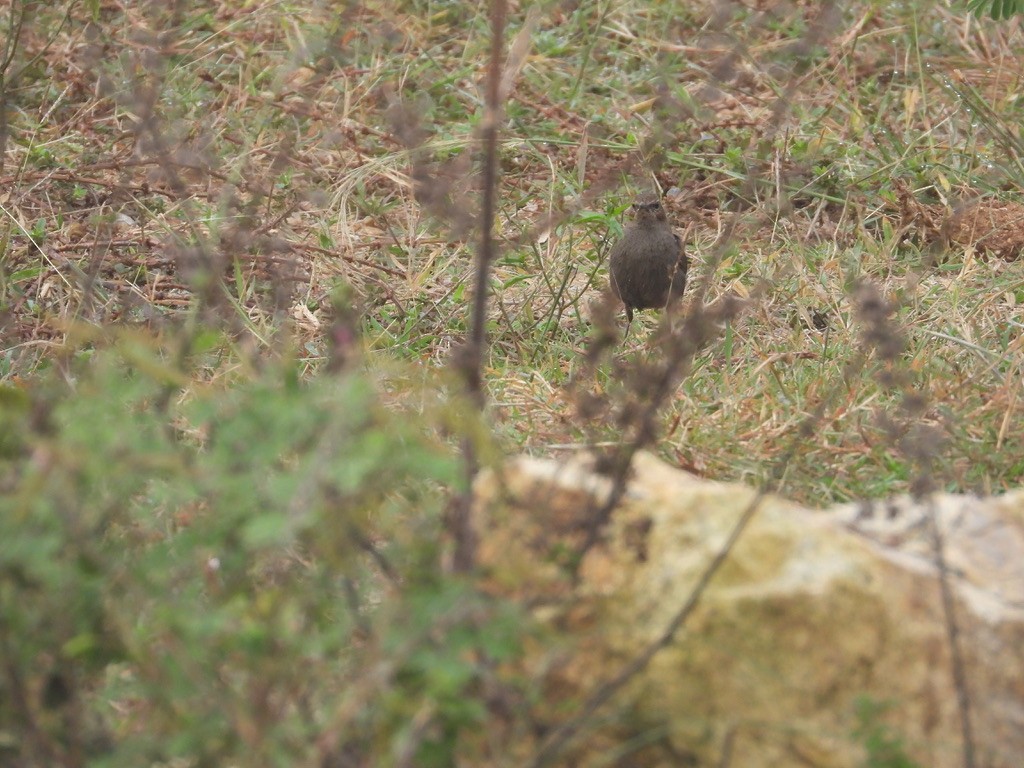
(812,612)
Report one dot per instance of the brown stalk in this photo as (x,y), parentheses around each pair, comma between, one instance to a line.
(470,360)
(963,699)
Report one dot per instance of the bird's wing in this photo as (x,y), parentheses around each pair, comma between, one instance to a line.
(614,284)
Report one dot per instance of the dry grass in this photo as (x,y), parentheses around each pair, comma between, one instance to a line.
(232,167)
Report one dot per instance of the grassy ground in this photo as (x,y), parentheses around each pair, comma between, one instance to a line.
(292,153)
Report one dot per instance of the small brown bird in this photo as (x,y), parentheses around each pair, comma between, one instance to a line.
(648,265)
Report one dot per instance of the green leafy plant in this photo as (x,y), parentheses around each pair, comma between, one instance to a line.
(997,9)
(252,576)
(883,746)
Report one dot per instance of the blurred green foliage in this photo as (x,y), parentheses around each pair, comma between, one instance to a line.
(883,746)
(997,9)
(244,574)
